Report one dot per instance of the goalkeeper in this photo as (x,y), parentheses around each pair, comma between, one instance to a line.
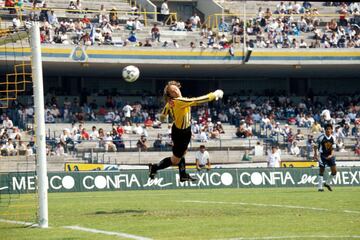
(179,108)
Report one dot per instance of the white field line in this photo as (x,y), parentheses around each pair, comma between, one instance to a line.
(291,237)
(351,211)
(268,205)
(118,234)
(19,222)
(91,230)
(258,204)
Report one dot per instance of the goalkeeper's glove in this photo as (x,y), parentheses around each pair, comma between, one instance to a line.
(218,94)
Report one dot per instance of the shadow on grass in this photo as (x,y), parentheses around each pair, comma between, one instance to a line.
(118,211)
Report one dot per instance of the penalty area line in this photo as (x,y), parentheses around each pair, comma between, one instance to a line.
(258,204)
(272,205)
(290,237)
(118,234)
(19,222)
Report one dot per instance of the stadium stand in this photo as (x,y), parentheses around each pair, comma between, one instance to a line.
(235,126)
(268,25)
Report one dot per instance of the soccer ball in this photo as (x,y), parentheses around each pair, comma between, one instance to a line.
(130,73)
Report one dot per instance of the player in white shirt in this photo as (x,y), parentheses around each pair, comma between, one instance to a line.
(273,158)
(202,159)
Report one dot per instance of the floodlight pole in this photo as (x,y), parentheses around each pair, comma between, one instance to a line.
(37,76)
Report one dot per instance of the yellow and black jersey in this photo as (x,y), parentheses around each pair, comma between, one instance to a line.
(326,144)
(180,110)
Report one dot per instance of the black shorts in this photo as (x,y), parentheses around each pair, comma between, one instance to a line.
(181,139)
(323,162)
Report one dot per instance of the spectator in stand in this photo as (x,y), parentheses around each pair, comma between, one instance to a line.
(102,14)
(127,127)
(127,112)
(8,149)
(310,143)
(86,22)
(299,136)
(94,134)
(53,20)
(316,128)
(132,37)
(86,40)
(357,147)
(201,136)
(188,25)
(195,21)
(165,12)
(84,135)
(178,26)
(78,6)
(294,149)
(202,159)
(21,148)
(16,23)
(11,6)
(109,144)
(223,26)
(137,129)
(59,150)
(120,129)
(175,44)
(148,122)
(159,143)
(332,26)
(44,13)
(7,123)
(155,33)
(117,139)
(355,130)
(243,130)
(274,158)
(49,118)
(72,6)
(142,143)
(130,24)
(138,25)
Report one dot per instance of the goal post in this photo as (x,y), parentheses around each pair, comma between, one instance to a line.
(41,168)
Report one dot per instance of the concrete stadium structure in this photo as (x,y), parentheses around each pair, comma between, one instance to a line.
(292,70)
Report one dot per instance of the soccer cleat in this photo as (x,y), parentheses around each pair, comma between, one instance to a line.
(186,177)
(328,187)
(152,171)
(320,190)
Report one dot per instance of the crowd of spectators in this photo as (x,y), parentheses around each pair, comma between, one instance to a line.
(290,25)
(293,121)
(278,116)
(12,140)
(295,25)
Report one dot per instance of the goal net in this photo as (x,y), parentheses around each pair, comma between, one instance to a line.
(18,192)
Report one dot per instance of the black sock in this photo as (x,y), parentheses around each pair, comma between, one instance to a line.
(165,163)
(182,167)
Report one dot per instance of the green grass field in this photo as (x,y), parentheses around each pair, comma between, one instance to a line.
(282,213)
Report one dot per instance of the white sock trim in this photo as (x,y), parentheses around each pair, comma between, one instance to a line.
(321,180)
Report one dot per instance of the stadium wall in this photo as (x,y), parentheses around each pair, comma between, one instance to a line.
(209,8)
(179,56)
(138,180)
